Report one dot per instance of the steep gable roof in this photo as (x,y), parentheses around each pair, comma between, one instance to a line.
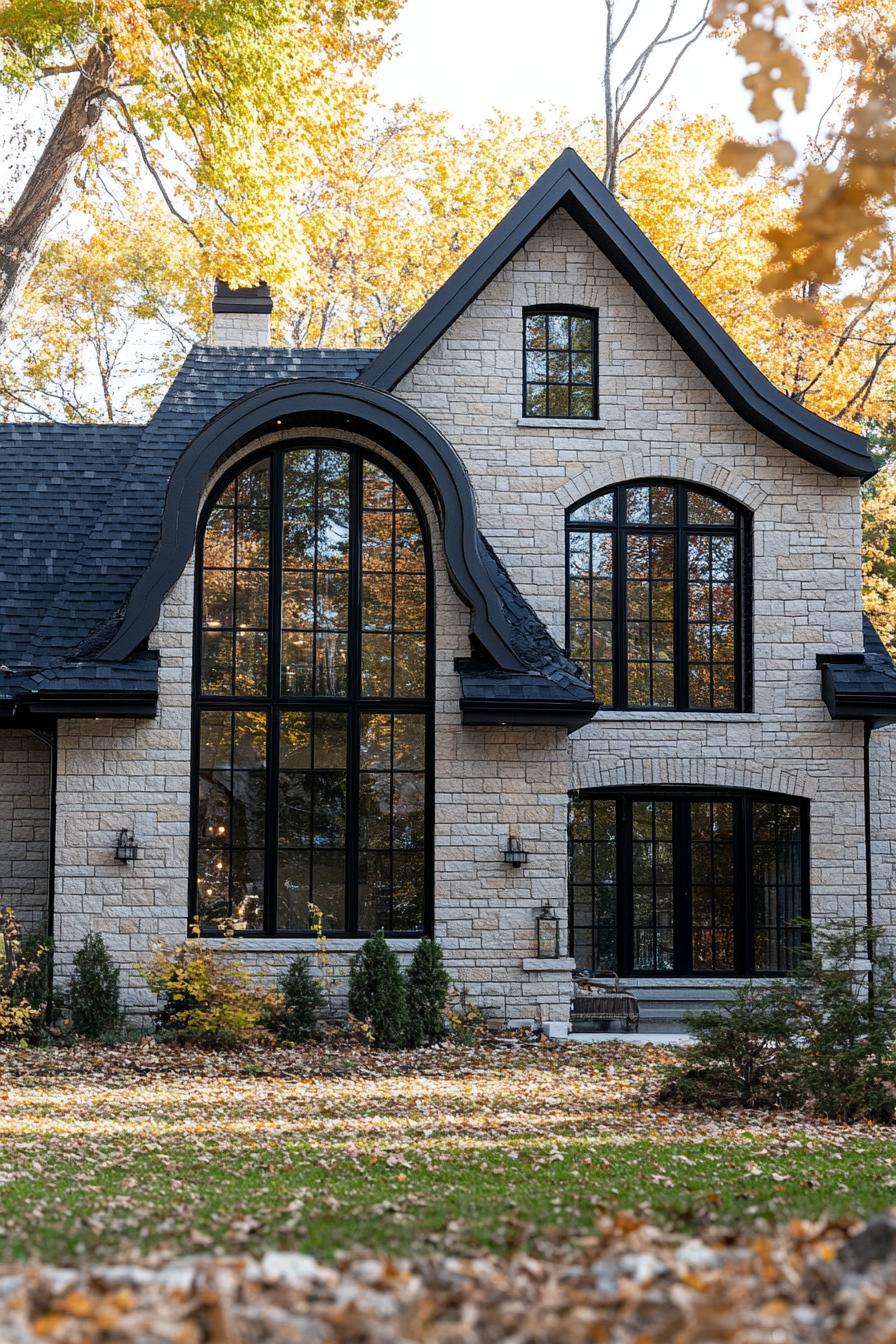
(570,185)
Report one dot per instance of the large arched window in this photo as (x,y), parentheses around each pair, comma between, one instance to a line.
(680,881)
(312,722)
(658,597)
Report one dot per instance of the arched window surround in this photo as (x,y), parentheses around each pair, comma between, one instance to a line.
(618,530)
(273,699)
(744,868)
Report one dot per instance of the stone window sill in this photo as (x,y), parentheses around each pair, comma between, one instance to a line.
(680,716)
(566,964)
(544,422)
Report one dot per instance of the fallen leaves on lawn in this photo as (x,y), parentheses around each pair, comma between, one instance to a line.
(813,1282)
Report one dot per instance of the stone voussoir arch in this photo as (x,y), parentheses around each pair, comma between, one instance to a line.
(684,772)
(662,465)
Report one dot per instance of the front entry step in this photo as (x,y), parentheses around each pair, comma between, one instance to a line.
(663,1004)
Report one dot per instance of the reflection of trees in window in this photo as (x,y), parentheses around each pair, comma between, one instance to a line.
(710,883)
(657,597)
(314,787)
(559,358)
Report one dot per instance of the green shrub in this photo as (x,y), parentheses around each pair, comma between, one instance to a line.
(33,986)
(208,996)
(376,993)
(844,1037)
(298,1003)
(94,1006)
(23,981)
(739,1052)
(817,1040)
(426,988)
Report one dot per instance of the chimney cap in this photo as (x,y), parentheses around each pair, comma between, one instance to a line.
(245,299)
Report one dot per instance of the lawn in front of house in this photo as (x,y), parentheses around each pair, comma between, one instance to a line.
(152,1150)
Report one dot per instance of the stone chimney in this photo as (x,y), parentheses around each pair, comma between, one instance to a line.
(241,316)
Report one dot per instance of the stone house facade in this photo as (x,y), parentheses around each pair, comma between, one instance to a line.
(557,576)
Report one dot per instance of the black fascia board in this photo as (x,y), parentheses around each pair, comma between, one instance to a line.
(568,714)
(877,708)
(570,185)
(82,705)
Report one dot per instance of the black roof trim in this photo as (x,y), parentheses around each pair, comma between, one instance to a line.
(568,714)
(570,185)
(245,299)
(325,403)
(864,690)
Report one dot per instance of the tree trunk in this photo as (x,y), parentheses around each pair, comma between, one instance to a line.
(22,234)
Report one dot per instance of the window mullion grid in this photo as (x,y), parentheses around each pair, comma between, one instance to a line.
(682,892)
(620,601)
(625,904)
(353,725)
(680,594)
(743,887)
(275,616)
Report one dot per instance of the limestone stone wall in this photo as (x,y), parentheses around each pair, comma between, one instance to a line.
(25,784)
(882,766)
(659,416)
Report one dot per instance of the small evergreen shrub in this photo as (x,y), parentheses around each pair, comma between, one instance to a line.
(298,1003)
(94,1006)
(376,992)
(208,996)
(739,1052)
(426,988)
(844,1037)
(818,1040)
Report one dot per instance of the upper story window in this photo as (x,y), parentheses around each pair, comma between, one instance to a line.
(560,363)
(658,597)
(313,707)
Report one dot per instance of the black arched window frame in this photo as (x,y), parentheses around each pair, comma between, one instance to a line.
(681,529)
(275,699)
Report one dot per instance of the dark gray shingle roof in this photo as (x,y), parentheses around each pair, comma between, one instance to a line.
(80,515)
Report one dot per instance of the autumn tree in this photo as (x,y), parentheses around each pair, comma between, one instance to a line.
(226,105)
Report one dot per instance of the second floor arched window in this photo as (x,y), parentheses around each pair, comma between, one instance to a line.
(658,600)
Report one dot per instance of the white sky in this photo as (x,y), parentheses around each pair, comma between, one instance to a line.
(471,56)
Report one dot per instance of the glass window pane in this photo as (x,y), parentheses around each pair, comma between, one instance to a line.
(704,511)
(777,896)
(558,331)
(596,510)
(536,327)
(582,402)
(536,366)
(581,333)
(558,400)
(536,399)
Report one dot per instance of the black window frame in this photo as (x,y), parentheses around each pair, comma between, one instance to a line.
(275,699)
(681,796)
(563,310)
(619,530)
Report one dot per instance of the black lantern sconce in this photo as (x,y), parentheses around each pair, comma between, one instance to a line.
(514,853)
(126,848)
(547,934)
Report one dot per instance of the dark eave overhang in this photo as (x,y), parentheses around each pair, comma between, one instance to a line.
(570,185)
(568,714)
(874,704)
(31,705)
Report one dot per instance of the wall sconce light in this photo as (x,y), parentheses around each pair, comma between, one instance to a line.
(514,852)
(547,934)
(126,849)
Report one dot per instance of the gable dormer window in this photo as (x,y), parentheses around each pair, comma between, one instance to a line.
(560,363)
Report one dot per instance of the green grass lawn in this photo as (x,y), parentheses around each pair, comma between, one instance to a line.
(106,1154)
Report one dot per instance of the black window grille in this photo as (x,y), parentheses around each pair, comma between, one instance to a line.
(313,703)
(670,882)
(560,363)
(658,597)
